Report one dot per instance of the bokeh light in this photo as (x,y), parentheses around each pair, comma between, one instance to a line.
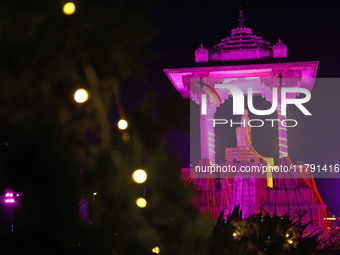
(81,96)
(122,124)
(141,202)
(9,198)
(9,194)
(139,176)
(155,250)
(69,8)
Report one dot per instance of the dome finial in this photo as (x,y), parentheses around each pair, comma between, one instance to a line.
(240,18)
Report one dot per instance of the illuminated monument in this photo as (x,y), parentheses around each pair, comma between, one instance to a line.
(245,60)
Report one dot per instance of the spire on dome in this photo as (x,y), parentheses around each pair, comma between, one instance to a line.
(279,50)
(240,18)
(241,45)
(280,43)
(201,48)
(201,54)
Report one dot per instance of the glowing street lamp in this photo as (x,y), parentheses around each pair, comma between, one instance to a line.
(155,250)
(122,124)
(9,194)
(81,96)
(141,202)
(9,198)
(139,176)
(69,8)
(9,201)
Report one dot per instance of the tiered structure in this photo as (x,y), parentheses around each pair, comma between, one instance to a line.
(245,60)
(241,45)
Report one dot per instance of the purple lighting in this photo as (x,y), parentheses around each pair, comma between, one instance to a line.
(9,201)
(8,194)
(252,195)
(9,198)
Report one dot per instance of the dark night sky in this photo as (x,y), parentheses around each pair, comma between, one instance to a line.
(310,29)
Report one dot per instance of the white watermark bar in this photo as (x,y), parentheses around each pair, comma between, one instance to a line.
(239,170)
(274,121)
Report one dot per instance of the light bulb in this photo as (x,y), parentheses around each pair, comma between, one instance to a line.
(81,96)
(69,8)
(139,176)
(141,202)
(122,124)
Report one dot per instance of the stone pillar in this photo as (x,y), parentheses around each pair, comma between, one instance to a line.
(207,130)
(282,131)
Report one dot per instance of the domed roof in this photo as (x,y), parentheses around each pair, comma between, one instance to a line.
(241,45)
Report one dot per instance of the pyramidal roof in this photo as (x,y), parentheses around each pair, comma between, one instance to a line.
(241,45)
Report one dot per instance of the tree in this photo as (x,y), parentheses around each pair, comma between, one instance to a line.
(258,234)
(61,154)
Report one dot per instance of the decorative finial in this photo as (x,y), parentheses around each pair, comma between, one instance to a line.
(201,48)
(240,18)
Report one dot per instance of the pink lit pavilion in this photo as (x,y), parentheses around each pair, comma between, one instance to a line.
(245,58)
